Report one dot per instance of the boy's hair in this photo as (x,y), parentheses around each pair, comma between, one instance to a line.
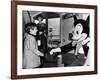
(29,26)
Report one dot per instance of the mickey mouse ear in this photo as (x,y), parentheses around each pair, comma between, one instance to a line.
(88,19)
(75,18)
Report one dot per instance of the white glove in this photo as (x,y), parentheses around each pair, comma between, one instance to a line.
(55,50)
(52,51)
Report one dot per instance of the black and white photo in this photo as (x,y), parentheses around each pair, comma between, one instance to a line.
(53,39)
(60,33)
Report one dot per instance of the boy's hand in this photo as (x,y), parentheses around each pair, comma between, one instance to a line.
(41,54)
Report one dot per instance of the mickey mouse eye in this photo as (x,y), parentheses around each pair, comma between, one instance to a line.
(77,32)
(78,29)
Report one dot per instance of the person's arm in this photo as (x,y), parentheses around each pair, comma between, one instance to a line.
(64,49)
(32,47)
(67,48)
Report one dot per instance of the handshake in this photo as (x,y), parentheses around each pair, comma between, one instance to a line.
(55,50)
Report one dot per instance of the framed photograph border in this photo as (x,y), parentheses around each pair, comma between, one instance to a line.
(14,38)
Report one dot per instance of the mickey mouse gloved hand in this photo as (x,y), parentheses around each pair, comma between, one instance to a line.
(55,50)
(51,52)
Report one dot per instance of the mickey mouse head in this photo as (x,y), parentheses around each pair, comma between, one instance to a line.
(80,30)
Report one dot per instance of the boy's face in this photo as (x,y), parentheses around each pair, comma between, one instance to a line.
(34,31)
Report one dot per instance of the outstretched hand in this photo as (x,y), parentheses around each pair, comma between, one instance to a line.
(55,50)
(52,51)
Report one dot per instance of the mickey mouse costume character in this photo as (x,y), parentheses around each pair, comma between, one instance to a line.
(79,42)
